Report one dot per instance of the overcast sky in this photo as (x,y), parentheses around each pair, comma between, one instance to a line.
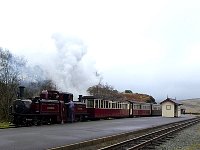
(148,46)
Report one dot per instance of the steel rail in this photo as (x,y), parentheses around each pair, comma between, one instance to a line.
(146,139)
(141,145)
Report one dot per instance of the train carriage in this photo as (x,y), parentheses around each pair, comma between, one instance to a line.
(139,109)
(53,107)
(100,108)
(156,110)
(145,109)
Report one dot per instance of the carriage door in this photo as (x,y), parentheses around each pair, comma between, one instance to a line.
(130,109)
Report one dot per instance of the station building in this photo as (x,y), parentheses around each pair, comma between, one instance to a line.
(171,108)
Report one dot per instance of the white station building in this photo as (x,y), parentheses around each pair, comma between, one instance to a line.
(171,108)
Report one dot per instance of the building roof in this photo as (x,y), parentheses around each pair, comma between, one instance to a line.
(135,101)
(89,97)
(172,100)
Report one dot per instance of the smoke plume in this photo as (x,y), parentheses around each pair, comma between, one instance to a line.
(70,68)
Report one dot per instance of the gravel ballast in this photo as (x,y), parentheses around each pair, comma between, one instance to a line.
(187,139)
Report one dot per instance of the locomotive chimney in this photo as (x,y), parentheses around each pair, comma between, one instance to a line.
(21,92)
(80,98)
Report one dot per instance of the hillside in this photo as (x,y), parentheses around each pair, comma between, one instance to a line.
(138,97)
(191,105)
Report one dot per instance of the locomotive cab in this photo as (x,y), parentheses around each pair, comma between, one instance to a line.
(52,95)
(66,97)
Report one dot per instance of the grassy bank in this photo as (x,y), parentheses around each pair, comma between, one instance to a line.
(4,125)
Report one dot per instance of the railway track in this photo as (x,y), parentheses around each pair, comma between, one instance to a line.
(144,139)
(150,140)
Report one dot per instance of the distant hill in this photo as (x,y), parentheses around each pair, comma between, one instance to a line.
(191,105)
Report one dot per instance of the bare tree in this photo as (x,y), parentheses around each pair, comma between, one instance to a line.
(108,92)
(10,67)
(34,88)
(104,91)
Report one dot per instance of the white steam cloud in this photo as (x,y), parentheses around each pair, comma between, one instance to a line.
(71,69)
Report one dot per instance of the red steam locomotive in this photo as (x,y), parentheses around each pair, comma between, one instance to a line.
(53,107)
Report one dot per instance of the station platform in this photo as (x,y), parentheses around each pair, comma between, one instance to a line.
(50,136)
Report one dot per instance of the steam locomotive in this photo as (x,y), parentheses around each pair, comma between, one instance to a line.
(53,107)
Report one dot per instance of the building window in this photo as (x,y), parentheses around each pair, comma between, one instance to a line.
(168,107)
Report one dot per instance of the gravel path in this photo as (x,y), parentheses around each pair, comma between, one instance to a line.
(188,139)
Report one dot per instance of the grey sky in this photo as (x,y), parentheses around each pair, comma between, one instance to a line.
(147,46)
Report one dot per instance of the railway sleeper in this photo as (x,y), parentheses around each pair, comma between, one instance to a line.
(141,141)
(149,147)
(159,142)
(162,140)
(170,137)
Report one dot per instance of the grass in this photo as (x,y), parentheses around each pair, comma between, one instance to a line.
(193,147)
(4,125)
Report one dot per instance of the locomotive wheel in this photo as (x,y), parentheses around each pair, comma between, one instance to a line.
(16,121)
(37,121)
(79,118)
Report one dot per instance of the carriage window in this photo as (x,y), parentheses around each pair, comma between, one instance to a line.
(107,104)
(156,108)
(137,106)
(113,105)
(90,103)
(125,106)
(96,104)
(120,105)
(145,107)
(101,103)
